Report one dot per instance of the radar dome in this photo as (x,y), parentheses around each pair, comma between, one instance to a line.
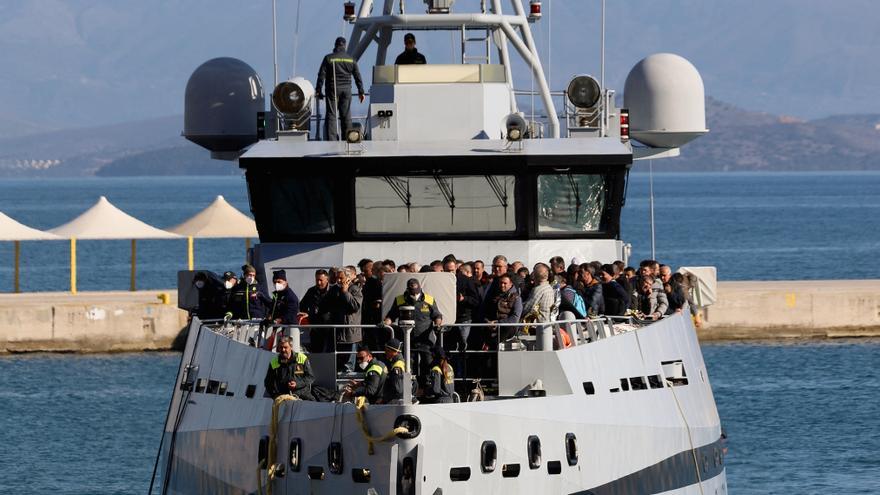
(223,97)
(664,95)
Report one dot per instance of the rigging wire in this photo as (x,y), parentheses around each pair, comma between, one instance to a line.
(296,39)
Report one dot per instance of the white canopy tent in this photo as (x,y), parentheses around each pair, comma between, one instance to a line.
(10,230)
(219,220)
(103,221)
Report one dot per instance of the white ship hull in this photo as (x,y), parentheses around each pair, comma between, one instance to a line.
(653,440)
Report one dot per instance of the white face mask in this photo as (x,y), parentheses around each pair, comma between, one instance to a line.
(250,280)
(363,365)
(229,284)
(200,284)
(279,286)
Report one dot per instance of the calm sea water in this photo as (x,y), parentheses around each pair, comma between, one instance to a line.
(801,418)
(751,226)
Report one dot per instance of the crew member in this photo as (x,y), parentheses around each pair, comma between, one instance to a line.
(441,381)
(337,70)
(393,389)
(284,304)
(410,54)
(426,313)
(289,373)
(209,297)
(246,303)
(375,374)
(230,280)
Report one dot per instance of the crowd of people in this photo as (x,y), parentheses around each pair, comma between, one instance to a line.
(503,292)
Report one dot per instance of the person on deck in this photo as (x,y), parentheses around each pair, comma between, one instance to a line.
(289,373)
(440,386)
(393,390)
(284,305)
(410,54)
(375,374)
(337,69)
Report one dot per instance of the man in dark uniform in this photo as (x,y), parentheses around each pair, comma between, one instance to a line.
(289,373)
(375,374)
(410,53)
(284,305)
(396,369)
(426,313)
(230,280)
(209,296)
(246,301)
(337,70)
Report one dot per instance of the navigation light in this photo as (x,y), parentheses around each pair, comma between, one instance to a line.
(584,91)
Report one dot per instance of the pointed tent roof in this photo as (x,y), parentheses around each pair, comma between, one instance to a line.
(10,230)
(219,219)
(105,221)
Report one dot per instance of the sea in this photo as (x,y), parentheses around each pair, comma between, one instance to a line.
(801,417)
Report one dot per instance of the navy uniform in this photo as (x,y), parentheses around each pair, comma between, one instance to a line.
(410,56)
(246,302)
(283,305)
(374,381)
(337,70)
(209,296)
(396,372)
(425,312)
(280,372)
(441,381)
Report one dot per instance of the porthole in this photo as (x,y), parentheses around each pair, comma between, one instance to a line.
(334,457)
(554,467)
(589,389)
(250,391)
(488,456)
(510,470)
(295,454)
(316,473)
(534,450)
(460,473)
(263,452)
(571,449)
(624,384)
(213,386)
(411,423)
(361,475)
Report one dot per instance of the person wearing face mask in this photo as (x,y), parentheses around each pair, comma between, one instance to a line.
(246,301)
(230,280)
(209,297)
(284,303)
(426,313)
(375,374)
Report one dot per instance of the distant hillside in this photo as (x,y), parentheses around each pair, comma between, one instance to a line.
(742,140)
(738,140)
(187,159)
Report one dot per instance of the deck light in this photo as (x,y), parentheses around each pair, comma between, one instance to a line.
(624,124)
(584,91)
(534,10)
(353,136)
(348,12)
(515,126)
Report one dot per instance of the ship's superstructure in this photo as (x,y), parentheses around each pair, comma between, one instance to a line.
(446,161)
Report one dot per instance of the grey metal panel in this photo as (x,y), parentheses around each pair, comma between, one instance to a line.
(519,369)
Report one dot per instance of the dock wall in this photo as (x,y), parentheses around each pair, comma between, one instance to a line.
(89,321)
(135,321)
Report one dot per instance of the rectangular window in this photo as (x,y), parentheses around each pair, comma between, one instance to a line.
(570,202)
(301,205)
(435,204)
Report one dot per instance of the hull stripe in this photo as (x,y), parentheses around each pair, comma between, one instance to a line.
(672,473)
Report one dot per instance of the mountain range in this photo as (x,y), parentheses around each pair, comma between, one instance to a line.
(739,140)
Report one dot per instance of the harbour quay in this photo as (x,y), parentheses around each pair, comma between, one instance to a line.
(123,321)
(111,321)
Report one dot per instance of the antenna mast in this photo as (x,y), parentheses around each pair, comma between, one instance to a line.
(274,42)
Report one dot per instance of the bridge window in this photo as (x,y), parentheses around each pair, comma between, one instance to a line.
(300,205)
(570,202)
(435,203)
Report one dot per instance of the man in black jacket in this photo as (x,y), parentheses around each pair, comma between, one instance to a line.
(467,301)
(410,53)
(289,373)
(314,305)
(337,69)
(284,305)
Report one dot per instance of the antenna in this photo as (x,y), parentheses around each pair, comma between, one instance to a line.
(651,193)
(274,42)
(602,74)
(296,38)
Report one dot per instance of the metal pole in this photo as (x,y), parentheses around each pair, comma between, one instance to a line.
(73,265)
(295,339)
(190,255)
(602,73)
(651,192)
(296,39)
(407,376)
(133,265)
(274,43)
(247,247)
(16,285)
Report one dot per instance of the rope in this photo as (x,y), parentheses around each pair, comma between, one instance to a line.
(271,467)
(360,404)
(690,439)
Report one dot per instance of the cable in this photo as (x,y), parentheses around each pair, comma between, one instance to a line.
(690,439)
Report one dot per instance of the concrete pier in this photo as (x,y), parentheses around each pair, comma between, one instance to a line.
(89,321)
(135,321)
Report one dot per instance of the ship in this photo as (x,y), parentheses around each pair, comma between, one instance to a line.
(446,161)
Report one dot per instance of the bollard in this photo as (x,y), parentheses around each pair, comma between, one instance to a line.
(164,297)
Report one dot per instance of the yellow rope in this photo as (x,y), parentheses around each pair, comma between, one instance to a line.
(360,404)
(271,467)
